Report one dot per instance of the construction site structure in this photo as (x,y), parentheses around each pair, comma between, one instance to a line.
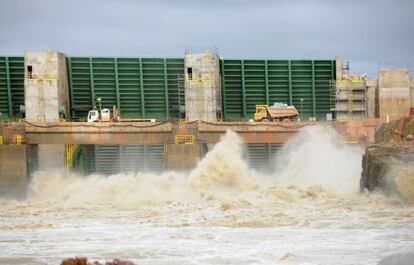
(349,94)
(202,85)
(394,92)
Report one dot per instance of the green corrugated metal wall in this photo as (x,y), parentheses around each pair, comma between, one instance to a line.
(112,159)
(264,157)
(148,87)
(11,85)
(246,83)
(140,87)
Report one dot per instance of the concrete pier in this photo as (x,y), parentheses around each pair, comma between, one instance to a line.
(13,170)
(47,98)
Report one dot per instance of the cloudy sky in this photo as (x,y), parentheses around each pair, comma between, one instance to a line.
(365,33)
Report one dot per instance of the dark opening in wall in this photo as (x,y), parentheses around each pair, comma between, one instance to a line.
(190,73)
(29,71)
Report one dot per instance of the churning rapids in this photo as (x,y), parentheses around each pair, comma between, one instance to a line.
(309,211)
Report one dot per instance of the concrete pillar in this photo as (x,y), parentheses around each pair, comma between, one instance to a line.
(51,156)
(45,86)
(46,98)
(394,92)
(13,170)
(202,86)
(372,86)
(338,62)
(184,156)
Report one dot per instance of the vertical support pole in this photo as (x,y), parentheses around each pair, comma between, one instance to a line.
(92,82)
(267,82)
(120,147)
(71,94)
(167,111)
(141,80)
(313,90)
(9,94)
(223,90)
(290,83)
(243,90)
(118,96)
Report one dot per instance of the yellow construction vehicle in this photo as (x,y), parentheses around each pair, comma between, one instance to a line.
(276,112)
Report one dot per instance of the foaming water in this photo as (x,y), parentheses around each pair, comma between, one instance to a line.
(316,156)
(221,212)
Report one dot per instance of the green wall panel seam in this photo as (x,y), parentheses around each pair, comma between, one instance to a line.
(313,90)
(223,90)
(71,93)
(167,112)
(290,82)
(267,82)
(118,97)
(141,80)
(92,83)
(243,89)
(9,95)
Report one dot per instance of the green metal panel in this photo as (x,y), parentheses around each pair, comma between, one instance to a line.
(113,159)
(255,84)
(16,72)
(246,83)
(130,94)
(139,87)
(5,96)
(232,89)
(264,157)
(176,94)
(324,73)
(154,90)
(107,159)
(80,86)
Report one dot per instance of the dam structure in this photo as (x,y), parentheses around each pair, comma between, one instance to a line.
(166,113)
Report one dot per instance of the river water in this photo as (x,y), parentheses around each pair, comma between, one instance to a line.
(222,212)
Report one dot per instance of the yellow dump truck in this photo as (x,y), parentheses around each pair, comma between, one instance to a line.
(276,112)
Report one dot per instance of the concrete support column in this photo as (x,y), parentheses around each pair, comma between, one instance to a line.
(202,86)
(47,98)
(13,170)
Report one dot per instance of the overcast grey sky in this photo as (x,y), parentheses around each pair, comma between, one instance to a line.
(363,32)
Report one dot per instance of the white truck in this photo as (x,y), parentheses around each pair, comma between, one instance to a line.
(105,116)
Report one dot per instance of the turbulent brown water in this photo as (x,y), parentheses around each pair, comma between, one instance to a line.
(222,212)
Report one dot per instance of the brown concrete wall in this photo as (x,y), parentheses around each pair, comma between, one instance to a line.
(13,169)
(394,92)
(372,87)
(183,156)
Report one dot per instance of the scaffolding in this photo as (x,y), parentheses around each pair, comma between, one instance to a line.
(348,97)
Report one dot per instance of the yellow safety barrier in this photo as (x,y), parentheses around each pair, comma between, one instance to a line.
(17,139)
(69,151)
(184,139)
(183,120)
(1,140)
